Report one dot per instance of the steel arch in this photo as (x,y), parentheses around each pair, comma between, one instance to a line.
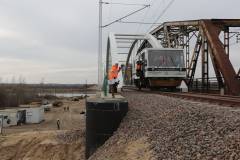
(128,41)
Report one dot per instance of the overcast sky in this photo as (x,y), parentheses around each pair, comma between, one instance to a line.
(56,40)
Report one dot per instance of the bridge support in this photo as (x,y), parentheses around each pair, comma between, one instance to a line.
(222,59)
(205,65)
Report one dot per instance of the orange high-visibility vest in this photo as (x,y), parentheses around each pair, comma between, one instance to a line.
(113,73)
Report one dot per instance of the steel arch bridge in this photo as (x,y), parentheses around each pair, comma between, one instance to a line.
(120,47)
(208,38)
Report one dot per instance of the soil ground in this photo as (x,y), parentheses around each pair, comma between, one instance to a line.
(44,141)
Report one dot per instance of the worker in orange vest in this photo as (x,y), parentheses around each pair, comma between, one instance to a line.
(113,79)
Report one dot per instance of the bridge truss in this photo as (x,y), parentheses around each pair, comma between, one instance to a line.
(208,38)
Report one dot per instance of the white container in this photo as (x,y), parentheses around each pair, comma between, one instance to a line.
(5,120)
(34,114)
(10,117)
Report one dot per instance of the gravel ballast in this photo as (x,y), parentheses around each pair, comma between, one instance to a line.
(173,128)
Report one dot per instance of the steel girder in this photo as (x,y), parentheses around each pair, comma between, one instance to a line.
(221,57)
(172,34)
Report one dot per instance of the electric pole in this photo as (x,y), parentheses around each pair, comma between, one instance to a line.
(100,71)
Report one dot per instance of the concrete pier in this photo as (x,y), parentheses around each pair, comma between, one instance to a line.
(103,116)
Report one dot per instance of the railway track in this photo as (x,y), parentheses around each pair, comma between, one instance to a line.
(230,101)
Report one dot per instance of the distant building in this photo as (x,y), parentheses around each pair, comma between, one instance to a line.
(23,114)
(9,117)
(34,113)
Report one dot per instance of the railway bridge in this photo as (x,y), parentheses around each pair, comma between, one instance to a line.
(206,42)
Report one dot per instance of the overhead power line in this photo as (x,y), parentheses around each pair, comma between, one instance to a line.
(119,3)
(125,16)
(162,13)
(109,13)
(143,18)
(126,4)
(135,22)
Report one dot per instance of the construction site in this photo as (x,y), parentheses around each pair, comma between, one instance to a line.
(171,93)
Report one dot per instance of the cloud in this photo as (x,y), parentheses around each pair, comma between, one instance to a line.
(33,73)
(57,39)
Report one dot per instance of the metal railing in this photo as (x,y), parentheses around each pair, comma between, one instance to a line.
(206,85)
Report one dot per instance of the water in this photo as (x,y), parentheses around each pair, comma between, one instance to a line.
(68,95)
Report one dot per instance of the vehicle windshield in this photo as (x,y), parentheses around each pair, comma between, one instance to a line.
(165,58)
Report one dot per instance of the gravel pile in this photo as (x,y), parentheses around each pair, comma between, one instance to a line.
(176,129)
(70,136)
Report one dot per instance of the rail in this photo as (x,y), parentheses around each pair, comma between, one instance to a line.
(226,100)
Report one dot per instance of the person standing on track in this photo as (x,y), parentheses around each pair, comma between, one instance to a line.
(139,73)
(113,80)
